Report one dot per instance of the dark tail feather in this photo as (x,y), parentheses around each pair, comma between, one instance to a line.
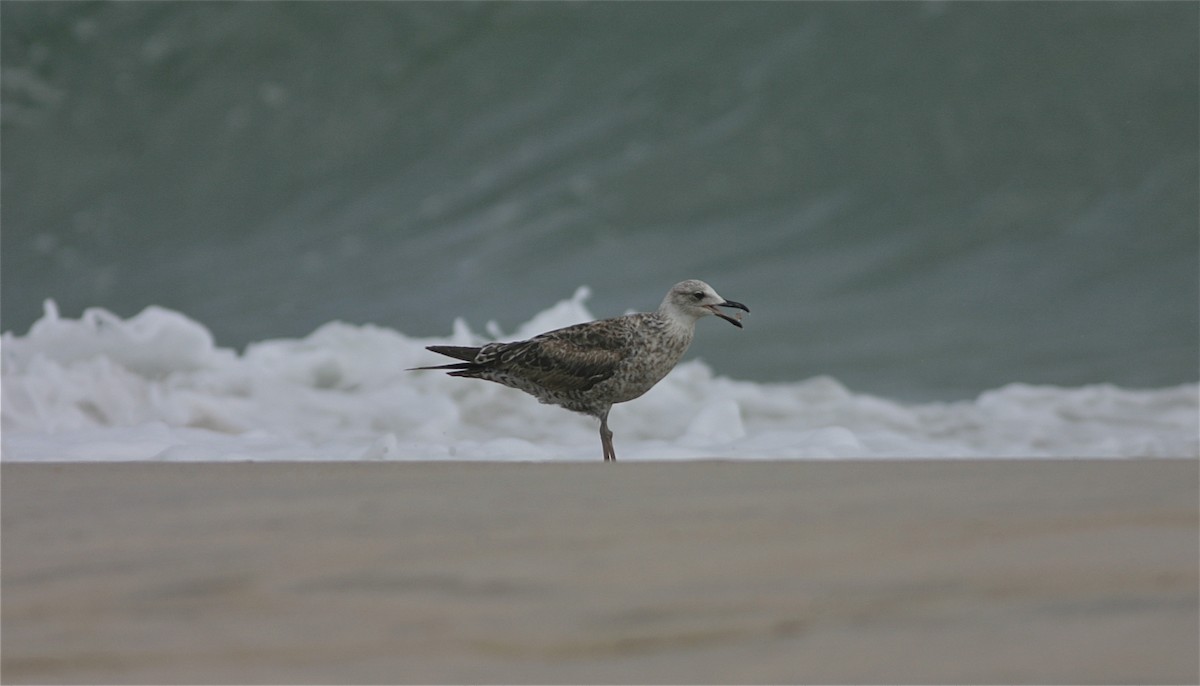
(458,352)
(460,366)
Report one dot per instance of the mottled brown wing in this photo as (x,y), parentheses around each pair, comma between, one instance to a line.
(575,358)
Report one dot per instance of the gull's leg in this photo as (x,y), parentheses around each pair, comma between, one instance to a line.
(606,439)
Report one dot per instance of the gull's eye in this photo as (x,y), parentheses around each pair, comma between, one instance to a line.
(698,295)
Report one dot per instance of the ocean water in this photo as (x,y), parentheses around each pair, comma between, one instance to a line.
(155,387)
(923,203)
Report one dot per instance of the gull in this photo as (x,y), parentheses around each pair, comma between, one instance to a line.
(590,367)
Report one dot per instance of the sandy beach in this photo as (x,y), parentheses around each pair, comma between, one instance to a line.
(701,572)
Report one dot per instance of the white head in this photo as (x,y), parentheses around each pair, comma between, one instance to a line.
(692,299)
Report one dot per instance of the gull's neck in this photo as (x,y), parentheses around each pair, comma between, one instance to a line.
(679,321)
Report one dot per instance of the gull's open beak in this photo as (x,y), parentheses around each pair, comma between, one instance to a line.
(729,303)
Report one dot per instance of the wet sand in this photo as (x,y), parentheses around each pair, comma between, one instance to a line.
(840,572)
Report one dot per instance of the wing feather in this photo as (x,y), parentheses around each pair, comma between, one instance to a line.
(574,358)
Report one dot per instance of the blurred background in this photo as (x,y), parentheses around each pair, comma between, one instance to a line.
(923,200)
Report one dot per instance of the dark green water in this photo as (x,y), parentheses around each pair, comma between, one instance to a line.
(923,200)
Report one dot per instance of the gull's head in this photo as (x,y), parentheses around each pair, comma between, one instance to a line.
(692,299)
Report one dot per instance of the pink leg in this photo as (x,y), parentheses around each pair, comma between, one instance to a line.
(606,439)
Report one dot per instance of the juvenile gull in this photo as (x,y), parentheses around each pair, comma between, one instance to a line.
(589,367)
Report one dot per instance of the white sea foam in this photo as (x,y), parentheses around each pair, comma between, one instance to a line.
(155,387)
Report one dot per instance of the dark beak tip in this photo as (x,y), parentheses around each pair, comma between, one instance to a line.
(729,319)
(729,303)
